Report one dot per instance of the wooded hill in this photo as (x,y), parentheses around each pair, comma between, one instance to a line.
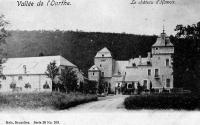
(78,47)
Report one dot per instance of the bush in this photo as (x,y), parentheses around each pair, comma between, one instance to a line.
(163,101)
(44,101)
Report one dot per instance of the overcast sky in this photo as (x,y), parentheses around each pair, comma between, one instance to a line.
(102,15)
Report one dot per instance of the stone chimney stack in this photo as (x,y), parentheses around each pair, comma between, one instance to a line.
(140,60)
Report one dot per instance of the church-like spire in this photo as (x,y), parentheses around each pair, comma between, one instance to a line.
(163,28)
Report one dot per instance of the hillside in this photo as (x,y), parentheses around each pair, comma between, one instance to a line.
(78,47)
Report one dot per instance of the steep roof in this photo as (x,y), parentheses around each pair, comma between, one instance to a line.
(94,68)
(34,65)
(104,53)
(162,40)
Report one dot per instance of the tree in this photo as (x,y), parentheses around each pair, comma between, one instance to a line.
(102,86)
(3,32)
(52,72)
(69,79)
(3,35)
(139,88)
(186,59)
(89,87)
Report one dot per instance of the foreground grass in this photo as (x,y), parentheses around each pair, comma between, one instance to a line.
(56,101)
(163,101)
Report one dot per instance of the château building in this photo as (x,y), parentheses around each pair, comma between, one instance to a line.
(154,71)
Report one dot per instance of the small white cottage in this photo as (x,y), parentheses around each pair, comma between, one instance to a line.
(27,74)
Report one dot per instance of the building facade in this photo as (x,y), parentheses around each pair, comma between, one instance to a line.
(154,71)
(27,74)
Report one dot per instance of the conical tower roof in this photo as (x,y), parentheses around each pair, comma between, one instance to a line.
(162,40)
(104,53)
(94,68)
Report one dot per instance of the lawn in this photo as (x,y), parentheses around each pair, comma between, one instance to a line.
(163,101)
(54,100)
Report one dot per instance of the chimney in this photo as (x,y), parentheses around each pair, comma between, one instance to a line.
(140,60)
(149,56)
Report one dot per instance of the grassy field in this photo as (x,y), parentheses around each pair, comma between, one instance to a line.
(56,101)
(163,101)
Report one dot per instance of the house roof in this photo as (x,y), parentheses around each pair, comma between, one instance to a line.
(162,40)
(104,53)
(94,68)
(136,61)
(34,65)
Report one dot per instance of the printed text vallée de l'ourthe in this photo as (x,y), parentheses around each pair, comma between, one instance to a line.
(42,3)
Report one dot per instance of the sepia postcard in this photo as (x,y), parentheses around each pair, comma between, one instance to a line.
(96,62)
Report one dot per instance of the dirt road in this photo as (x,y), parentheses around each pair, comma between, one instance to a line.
(109,103)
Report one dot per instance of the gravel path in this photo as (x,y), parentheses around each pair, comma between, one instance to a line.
(109,103)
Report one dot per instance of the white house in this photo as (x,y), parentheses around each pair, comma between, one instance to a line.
(27,74)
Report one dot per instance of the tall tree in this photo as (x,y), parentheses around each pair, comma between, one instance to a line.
(3,35)
(52,72)
(187,57)
(69,79)
(3,32)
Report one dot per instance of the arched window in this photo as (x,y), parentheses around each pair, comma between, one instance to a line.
(12,85)
(19,77)
(27,85)
(46,86)
(4,77)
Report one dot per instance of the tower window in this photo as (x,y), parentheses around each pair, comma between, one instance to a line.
(93,74)
(167,62)
(102,55)
(102,74)
(100,65)
(149,72)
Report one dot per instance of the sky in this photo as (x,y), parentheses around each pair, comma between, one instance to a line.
(102,16)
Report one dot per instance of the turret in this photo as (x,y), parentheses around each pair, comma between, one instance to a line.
(103,60)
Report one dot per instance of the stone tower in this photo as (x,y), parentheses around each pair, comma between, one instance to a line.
(104,61)
(94,73)
(162,70)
